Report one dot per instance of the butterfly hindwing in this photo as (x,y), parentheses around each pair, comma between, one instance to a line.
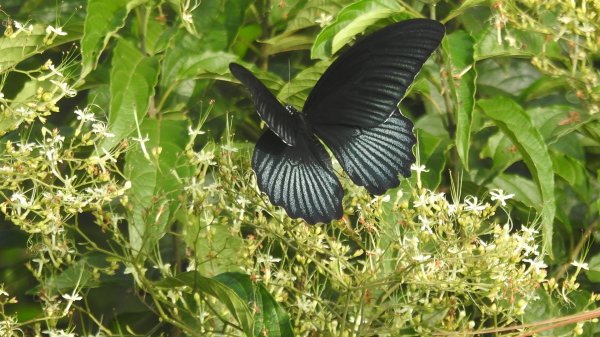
(373,157)
(363,86)
(275,115)
(299,178)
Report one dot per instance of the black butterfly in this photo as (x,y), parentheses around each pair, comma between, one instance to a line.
(353,110)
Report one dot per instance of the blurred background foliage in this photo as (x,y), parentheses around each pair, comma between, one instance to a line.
(143,202)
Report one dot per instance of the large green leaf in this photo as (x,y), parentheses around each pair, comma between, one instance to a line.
(155,181)
(459,50)
(132,80)
(16,48)
(104,18)
(517,125)
(351,20)
(249,302)
(269,316)
(237,306)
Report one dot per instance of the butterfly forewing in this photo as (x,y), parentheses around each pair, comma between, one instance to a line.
(353,110)
(364,85)
(299,178)
(278,119)
(373,157)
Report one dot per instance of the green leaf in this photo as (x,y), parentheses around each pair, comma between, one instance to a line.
(593,274)
(546,307)
(104,18)
(268,314)
(357,26)
(12,118)
(234,17)
(511,42)
(572,171)
(543,87)
(517,125)
(500,149)
(463,7)
(77,276)
(280,12)
(245,38)
(312,11)
(433,149)
(210,236)
(209,19)
(283,43)
(16,48)
(187,59)
(237,306)
(362,12)
(132,80)
(296,91)
(524,189)
(505,77)
(155,181)
(459,49)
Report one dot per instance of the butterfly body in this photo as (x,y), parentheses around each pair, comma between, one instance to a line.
(353,110)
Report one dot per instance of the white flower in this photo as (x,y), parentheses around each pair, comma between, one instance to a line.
(418,168)
(324,19)
(187,17)
(536,263)
(25,112)
(72,297)
(21,28)
(423,201)
(580,265)
(54,71)
(57,31)
(267,259)
(530,231)
(192,132)
(228,148)
(26,147)
(452,208)
(100,128)
(64,87)
(20,199)
(425,224)
(473,204)
(85,115)
(498,194)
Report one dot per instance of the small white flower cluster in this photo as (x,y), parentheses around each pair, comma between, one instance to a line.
(441,254)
